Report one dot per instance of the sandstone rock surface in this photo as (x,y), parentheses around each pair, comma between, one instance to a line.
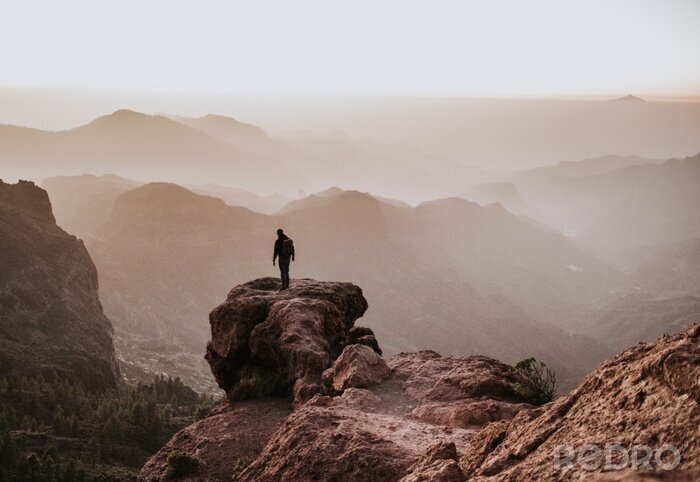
(328,439)
(269,343)
(373,434)
(646,395)
(439,464)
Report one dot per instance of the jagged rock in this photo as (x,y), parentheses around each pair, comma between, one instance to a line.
(225,442)
(266,342)
(439,464)
(646,395)
(51,319)
(359,367)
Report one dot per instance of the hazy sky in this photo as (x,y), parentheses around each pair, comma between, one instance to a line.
(362,47)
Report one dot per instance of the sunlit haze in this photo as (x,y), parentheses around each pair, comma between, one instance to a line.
(365,47)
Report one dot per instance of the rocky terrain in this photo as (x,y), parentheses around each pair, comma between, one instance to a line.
(310,398)
(51,320)
(647,395)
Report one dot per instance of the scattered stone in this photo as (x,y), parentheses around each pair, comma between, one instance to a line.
(359,367)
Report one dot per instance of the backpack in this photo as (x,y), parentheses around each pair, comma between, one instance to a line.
(287,248)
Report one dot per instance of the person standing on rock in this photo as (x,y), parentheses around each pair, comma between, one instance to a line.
(284,249)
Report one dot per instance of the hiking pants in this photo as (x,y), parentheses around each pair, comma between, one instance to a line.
(284,271)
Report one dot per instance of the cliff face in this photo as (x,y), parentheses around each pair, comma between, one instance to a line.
(51,320)
(417,416)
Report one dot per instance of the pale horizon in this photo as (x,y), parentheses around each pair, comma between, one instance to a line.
(393,48)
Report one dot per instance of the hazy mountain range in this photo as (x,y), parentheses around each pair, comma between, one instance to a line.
(497,133)
(545,265)
(446,274)
(221,150)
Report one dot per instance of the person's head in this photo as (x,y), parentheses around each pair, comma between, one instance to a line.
(280,232)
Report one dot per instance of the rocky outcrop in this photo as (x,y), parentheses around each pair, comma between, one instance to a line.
(420,416)
(360,423)
(646,396)
(266,342)
(51,320)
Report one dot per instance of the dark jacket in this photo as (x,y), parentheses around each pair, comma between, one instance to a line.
(278,249)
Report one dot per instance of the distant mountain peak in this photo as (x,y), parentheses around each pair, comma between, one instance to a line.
(125,116)
(226,129)
(629,98)
(221,118)
(331,191)
(128,114)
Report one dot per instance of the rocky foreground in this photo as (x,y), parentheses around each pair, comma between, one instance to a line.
(311,398)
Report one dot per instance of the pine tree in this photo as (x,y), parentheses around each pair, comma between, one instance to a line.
(11,415)
(91,454)
(26,423)
(59,421)
(74,426)
(8,450)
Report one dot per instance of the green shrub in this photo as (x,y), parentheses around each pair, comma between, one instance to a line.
(181,463)
(538,383)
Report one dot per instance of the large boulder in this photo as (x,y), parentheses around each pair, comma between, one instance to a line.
(459,391)
(359,367)
(646,396)
(266,342)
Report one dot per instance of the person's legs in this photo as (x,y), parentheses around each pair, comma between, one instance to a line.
(284,273)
